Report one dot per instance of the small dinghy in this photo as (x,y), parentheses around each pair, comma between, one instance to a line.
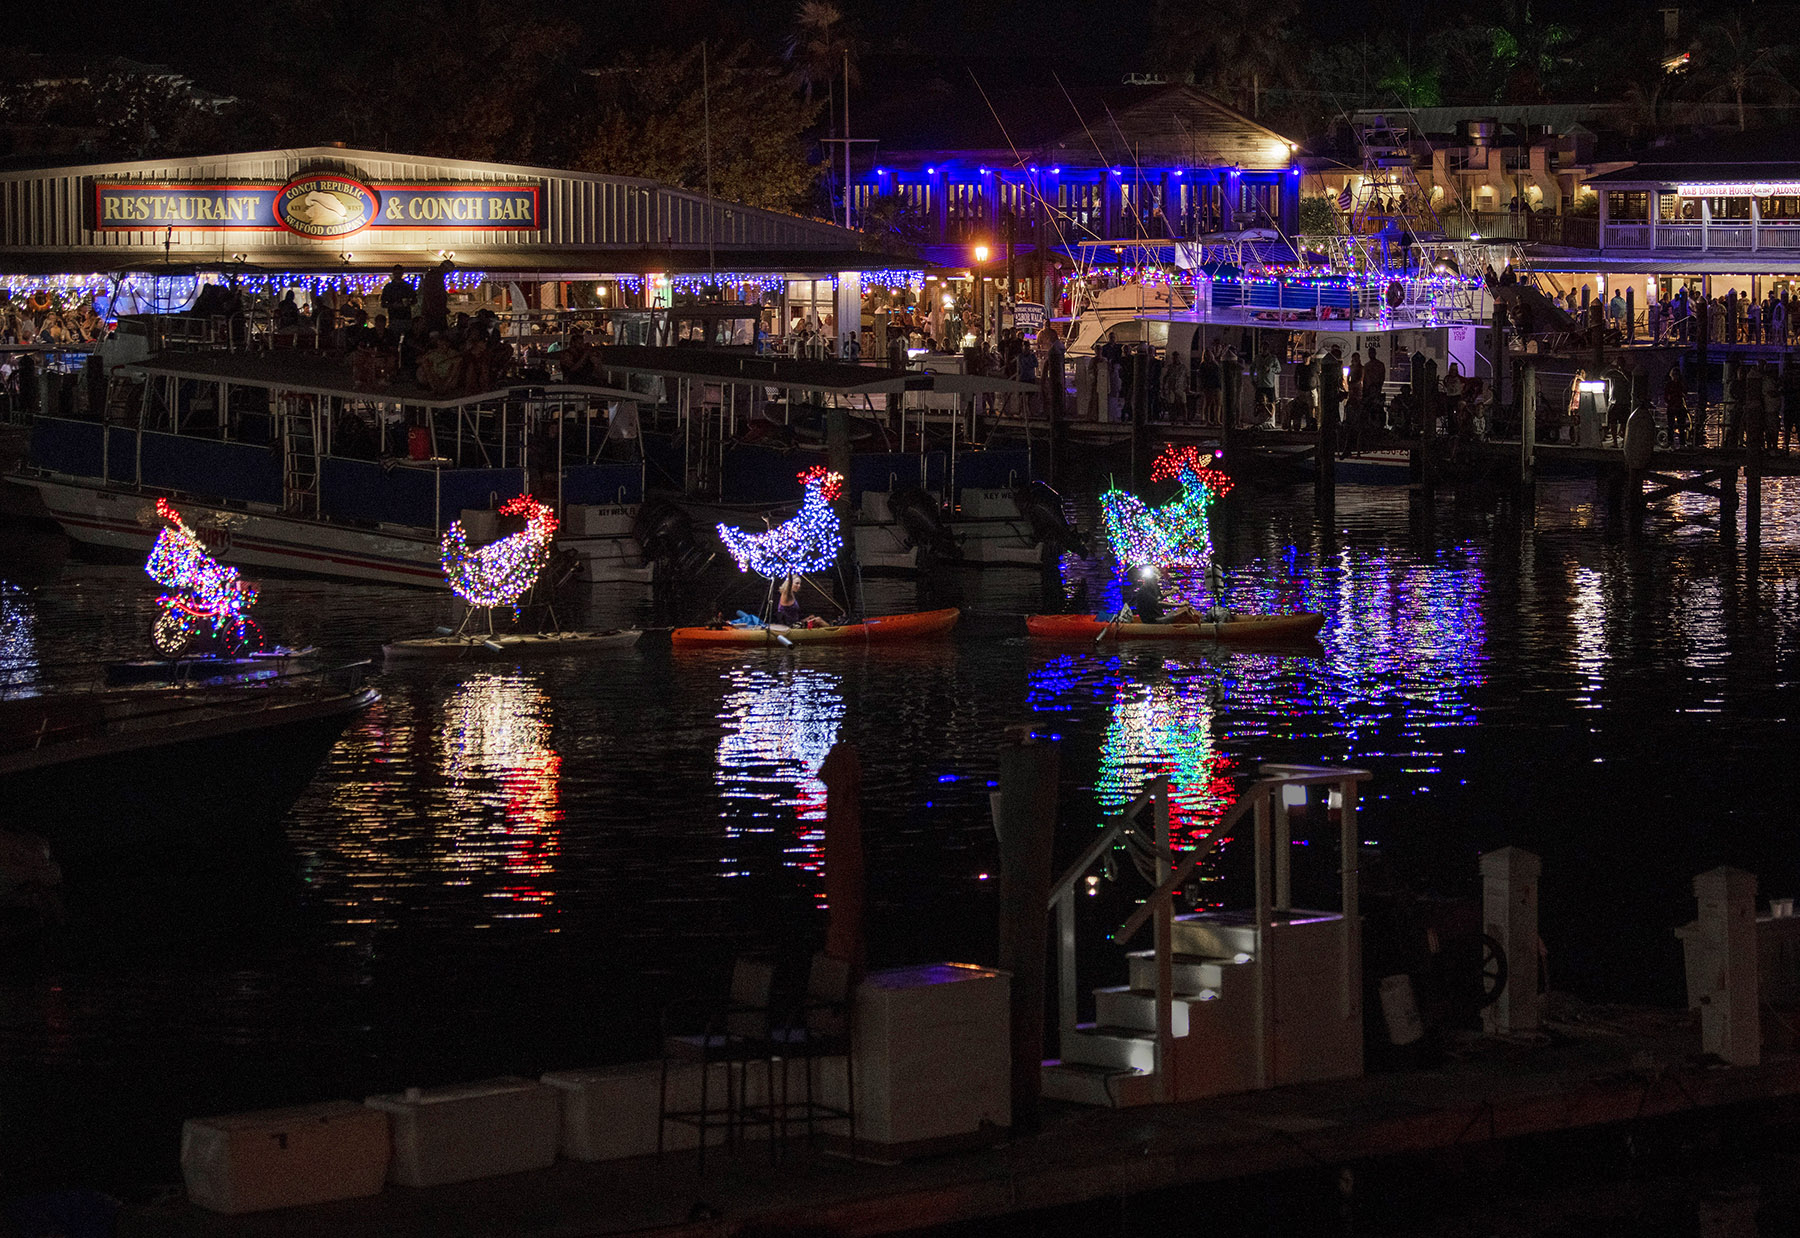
(471,645)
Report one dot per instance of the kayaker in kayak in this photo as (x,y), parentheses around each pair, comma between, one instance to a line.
(1146,599)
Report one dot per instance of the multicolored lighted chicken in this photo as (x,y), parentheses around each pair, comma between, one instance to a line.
(503,571)
(1174,535)
(809,542)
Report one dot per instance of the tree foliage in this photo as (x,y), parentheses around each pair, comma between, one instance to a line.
(651,122)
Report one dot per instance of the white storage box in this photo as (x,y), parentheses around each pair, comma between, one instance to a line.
(283,1158)
(610,1112)
(471,1130)
(933,1055)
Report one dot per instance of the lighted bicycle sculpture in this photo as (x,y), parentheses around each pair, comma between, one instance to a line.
(206,601)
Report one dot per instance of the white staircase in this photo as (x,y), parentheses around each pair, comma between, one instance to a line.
(1244,1009)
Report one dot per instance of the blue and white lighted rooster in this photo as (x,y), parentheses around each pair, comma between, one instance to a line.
(809,542)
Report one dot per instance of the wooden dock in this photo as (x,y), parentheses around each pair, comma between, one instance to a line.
(1595,1067)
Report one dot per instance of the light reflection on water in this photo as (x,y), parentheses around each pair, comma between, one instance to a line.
(651,814)
(778,724)
(496,755)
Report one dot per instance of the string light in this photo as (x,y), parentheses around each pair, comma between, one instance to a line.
(810,542)
(501,572)
(203,591)
(1175,534)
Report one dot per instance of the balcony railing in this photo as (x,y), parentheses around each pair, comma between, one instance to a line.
(1735,235)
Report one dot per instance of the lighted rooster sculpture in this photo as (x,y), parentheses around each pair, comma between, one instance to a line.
(501,572)
(203,593)
(809,542)
(1174,535)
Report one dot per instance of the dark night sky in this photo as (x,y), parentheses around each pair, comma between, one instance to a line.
(1107,35)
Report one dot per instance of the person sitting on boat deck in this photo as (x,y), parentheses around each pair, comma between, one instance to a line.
(787,606)
(440,368)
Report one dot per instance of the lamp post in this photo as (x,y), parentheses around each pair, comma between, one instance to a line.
(981,256)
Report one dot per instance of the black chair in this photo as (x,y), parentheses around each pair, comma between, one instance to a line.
(733,1032)
(821,1026)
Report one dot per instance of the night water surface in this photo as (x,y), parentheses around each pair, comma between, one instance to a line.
(511,869)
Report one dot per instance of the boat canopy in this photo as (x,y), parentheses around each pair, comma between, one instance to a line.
(313,374)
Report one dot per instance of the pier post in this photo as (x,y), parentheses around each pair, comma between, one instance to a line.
(1720,952)
(1025,821)
(1509,911)
(837,459)
(1331,394)
(1527,423)
(1728,503)
(1231,371)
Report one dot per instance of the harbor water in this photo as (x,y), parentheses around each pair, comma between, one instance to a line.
(510,869)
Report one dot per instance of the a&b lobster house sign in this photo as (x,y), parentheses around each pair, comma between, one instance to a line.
(317,205)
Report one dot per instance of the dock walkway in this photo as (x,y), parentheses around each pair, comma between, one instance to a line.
(1597,1066)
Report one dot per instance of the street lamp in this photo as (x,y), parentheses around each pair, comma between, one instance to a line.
(981,256)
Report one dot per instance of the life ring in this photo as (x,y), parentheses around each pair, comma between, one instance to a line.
(1396,294)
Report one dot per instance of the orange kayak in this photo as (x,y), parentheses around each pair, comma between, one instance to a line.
(1237,626)
(878,628)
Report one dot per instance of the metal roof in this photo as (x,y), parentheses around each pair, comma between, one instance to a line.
(321,374)
(589,223)
(793,373)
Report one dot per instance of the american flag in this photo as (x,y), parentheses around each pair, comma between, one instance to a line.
(1344,198)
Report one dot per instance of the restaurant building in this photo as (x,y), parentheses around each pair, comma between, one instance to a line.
(1715,217)
(519,238)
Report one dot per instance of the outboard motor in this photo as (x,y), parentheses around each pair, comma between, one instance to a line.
(919,514)
(667,537)
(1042,507)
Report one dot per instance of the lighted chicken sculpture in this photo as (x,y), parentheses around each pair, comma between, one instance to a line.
(809,542)
(500,573)
(1175,534)
(202,591)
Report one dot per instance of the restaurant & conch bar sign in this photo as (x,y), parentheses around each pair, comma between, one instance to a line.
(317,205)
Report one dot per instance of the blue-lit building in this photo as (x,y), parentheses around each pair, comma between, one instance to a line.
(1054,170)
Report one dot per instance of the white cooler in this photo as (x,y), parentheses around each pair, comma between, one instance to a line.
(470,1130)
(283,1158)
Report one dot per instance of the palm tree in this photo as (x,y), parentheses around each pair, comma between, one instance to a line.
(818,46)
(1740,65)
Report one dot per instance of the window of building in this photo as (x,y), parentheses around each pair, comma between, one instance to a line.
(1079,203)
(1202,208)
(1784,209)
(1626,206)
(966,210)
(1257,203)
(1730,208)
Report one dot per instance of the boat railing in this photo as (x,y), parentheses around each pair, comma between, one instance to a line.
(1274,787)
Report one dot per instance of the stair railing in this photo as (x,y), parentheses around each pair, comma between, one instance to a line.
(1274,896)
(1062,901)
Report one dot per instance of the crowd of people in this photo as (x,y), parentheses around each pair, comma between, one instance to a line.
(40,317)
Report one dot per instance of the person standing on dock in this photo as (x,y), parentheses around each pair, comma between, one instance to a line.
(1374,379)
(1306,378)
(1268,378)
(1210,379)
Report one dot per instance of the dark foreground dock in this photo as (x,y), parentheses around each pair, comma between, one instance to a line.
(1593,1067)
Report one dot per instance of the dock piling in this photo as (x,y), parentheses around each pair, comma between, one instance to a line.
(1025,821)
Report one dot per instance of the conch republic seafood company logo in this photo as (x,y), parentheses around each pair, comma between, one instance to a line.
(324,205)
